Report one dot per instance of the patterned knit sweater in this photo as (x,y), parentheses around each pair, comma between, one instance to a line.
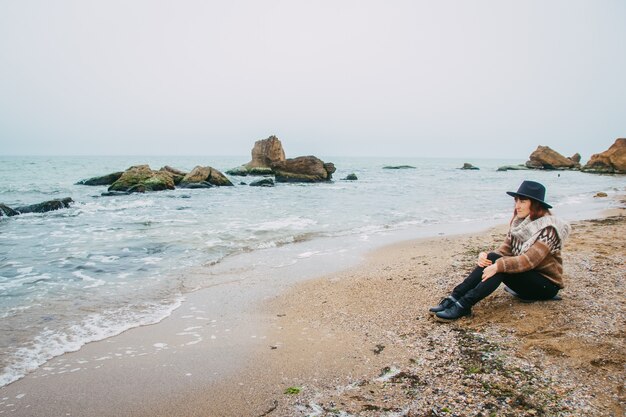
(543,256)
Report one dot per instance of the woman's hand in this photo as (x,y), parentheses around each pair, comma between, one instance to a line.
(482,260)
(489,272)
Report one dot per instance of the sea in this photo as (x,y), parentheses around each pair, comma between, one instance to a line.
(111,263)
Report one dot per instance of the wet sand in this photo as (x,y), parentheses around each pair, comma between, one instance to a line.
(360,342)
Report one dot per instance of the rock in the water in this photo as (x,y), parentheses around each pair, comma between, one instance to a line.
(350,177)
(260,171)
(103,180)
(7,211)
(265,153)
(195,185)
(140,178)
(303,169)
(140,173)
(46,206)
(173,170)
(611,161)
(268,158)
(513,168)
(576,158)
(265,182)
(399,167)
(240,171)
(177,174)
(467,165)
(114,193)
(200,175)
(546,158)
(601,194)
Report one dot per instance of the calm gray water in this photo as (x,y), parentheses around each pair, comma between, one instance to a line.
(108,264)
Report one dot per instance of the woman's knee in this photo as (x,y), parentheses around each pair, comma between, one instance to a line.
(492,256)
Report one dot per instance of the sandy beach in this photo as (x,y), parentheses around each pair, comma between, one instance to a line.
(361,342)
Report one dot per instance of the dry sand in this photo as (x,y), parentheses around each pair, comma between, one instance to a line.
(360,342)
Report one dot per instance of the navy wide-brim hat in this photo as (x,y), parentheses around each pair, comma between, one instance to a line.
(532,190)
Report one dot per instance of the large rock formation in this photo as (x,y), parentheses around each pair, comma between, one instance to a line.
(268,158)
(303,169)
(140,178)
(109,179)
(612,161)
(546,158)
(264,153)
(204,177)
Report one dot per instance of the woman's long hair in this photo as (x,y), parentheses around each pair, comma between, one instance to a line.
(537,210)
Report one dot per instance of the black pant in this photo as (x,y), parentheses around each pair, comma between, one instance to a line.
(530,285)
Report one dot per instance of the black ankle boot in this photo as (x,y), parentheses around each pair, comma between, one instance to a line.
(456,311)
(443,304)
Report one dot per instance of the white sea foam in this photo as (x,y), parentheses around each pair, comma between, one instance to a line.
(13,311)
(115,205)
(188,329)
(284,264)
(104,259)
(292,222)
(151,260)
(304,255)
(266,245)
(94,281)
(49,344)
(20,281)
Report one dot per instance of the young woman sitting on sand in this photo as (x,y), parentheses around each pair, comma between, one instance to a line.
(528,262)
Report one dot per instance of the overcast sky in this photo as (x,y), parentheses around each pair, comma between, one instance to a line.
(330,78)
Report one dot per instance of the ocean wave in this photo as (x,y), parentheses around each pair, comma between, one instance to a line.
(115,205)
(293,222)
(99,326)
(94,282)
(11,286)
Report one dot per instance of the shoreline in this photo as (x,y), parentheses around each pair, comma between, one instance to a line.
(360,342)
(45,334)
(277,267)
(362,357)
(314,258)
(151,366)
